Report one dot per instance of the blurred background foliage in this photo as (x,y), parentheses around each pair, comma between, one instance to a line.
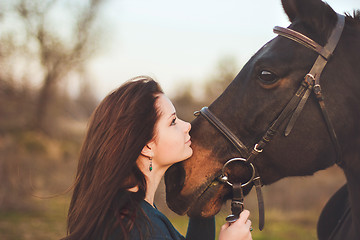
(42,126)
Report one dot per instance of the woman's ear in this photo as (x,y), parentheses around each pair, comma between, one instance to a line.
(147,150)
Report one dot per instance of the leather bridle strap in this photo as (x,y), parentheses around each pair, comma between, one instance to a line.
(303,40)
(326,51)
(313,77)
(208,115)
(218,124)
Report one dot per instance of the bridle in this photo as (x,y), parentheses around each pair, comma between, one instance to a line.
(293,109)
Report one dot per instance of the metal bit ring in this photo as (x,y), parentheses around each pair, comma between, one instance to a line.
(224,178)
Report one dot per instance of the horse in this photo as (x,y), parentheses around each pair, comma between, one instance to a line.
(311,119)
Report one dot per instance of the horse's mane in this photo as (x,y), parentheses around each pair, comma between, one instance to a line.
(355,18)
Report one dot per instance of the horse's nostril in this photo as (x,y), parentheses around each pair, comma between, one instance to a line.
(174,178)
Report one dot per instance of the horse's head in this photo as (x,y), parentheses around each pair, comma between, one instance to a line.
(252,102)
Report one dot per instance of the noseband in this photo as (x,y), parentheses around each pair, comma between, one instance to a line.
(293,109)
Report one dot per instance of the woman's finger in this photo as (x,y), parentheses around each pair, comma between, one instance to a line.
(224,226)
(248,223)
(244,216)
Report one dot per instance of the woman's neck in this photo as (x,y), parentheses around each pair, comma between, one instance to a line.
(153,179)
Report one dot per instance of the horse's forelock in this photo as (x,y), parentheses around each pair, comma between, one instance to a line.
(355,18)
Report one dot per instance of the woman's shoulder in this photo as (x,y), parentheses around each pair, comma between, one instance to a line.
(151,224)
(159,225)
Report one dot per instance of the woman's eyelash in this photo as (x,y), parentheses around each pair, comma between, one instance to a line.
(173,122)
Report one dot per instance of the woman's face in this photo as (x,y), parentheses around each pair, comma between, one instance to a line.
(172,140)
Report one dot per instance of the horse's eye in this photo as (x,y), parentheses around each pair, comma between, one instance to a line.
(267,77)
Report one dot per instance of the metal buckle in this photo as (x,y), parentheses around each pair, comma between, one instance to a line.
(197,113)
(317,89)
(256,148)
(309,79)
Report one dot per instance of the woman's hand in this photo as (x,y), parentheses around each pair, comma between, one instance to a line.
(239,230)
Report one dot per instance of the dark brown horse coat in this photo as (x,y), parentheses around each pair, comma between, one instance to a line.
(255,99)
(335,219)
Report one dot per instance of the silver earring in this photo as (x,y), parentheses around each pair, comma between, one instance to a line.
(150,167)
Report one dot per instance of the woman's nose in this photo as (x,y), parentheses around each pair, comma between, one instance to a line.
(188,126)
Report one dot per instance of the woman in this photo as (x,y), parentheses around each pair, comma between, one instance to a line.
(133,137)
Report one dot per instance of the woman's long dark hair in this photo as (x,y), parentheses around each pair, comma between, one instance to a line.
(119,128)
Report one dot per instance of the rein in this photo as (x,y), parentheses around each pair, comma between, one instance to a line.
(293,109)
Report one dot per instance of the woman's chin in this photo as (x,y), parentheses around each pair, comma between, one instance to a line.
(189,153)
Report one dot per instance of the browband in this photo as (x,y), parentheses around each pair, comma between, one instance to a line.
(326,51)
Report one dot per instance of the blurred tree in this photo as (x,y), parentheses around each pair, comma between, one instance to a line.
(226,70)
(191,99)
(185,102)
(43,45)
(54,37)
(86,99)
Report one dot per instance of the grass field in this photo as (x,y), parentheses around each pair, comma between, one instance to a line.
(278,225)
(292,208)
(48,222)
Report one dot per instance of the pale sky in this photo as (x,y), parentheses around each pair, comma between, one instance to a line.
(177,41)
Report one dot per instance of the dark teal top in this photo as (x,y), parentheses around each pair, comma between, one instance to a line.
(160,228)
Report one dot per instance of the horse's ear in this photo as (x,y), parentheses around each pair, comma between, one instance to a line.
(315,13)
(290,9)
